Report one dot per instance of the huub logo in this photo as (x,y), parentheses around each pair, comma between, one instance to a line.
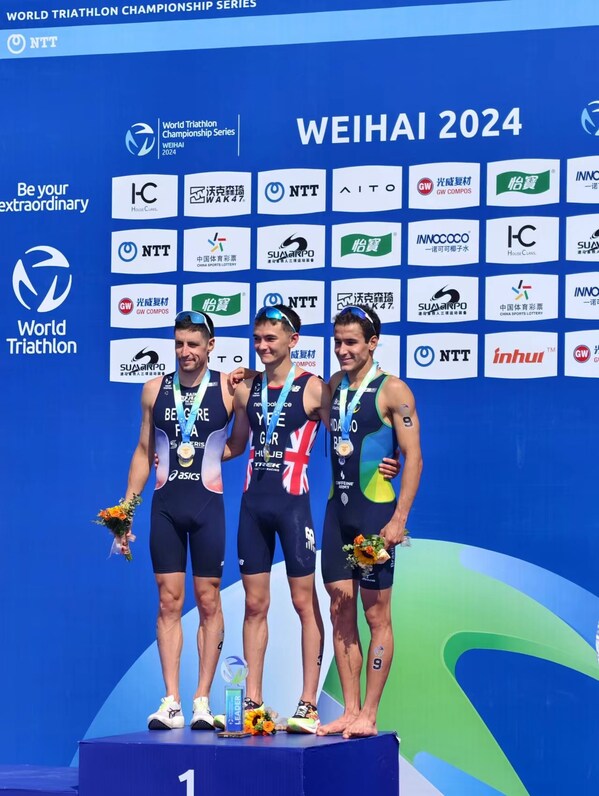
(24,277)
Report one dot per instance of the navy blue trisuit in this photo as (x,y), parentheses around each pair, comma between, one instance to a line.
(188,501)
(276,496)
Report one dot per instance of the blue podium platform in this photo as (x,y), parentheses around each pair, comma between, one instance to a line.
(38,781)
(188,763)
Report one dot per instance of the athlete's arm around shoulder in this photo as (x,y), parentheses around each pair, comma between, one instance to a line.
(398,406)
(141,461)
(317,400)
(238,438)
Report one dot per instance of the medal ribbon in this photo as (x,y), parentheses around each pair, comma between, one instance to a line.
(345,416)
(276,413)
(186,424)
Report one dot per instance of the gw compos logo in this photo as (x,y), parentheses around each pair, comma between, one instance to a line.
(590,118)
(140,139)
(53,286)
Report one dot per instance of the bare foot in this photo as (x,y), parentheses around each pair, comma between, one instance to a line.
(338,726)
(360,727)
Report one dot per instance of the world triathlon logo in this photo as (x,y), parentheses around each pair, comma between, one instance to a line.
(590,118)
(42,290)
(140,139)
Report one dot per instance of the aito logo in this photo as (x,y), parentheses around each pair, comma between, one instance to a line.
(582,353)
(26,272)
(589,118)
(140,139)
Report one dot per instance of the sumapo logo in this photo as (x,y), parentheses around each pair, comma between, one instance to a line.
(521,355)
(366,245)
(581,354)
(291,247)
(521,297)
(589,118)
(215,194)
(522,183)
(138,359)
(444,186)
(442,356)
(41,279)
(144,196)
(582,238)
(582,295)
(140,139)
(292,191)
(523,239)
(583,180)
(432,300)
(367,189)
(216,249)
(444,242)
(144,251)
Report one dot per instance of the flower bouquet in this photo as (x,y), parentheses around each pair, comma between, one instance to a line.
(367,551)
(260,722)
(118,520)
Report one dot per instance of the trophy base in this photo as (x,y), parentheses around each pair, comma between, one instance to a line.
(226,734)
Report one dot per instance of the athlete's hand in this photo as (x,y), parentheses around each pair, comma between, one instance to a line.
(393,533)
(389,468)
(235,377)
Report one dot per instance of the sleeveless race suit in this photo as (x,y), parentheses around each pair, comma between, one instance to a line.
(276,498)
(188,501)
(360,501)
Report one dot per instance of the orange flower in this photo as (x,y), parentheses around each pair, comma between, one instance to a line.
(268,726)
(359,539)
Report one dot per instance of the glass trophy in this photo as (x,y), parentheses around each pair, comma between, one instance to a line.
(234,671)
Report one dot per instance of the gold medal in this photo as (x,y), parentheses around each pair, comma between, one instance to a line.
(344,448)
(266,453)
(185,454)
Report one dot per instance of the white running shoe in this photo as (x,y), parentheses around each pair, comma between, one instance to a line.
(168,716)
(202,718)
(248,704)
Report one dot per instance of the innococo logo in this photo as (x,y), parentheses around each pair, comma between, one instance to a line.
(521,355)
(583,180)
(521,297)
(366,245)
(431,300)
(140,139)
(227,301)
(144,251)
(216,249)
(589,118)
(582,295)
(289,191)
(444,186)
(443,242)
(442,356)
(46,289)
(304,296)
(291,247)
(367,189)
(520,183)
(523,239)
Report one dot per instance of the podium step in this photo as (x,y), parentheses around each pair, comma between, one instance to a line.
(38,781)
(188,763)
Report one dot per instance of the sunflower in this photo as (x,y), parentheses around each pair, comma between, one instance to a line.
(365,556)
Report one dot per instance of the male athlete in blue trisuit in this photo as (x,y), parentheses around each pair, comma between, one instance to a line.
(371,412)
(184,421)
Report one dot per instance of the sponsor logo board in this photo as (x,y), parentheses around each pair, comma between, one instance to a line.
(382,294)
(143,306)
(218,194)
(521,297)
(230,353)
(143,251)
(521,355)
(583,180)
(444,186)
(582,238)
(442,356)
(216,249)
(581,354)
(227,303)
(368,244)
(293,247)
(141,358)
(144,197)
(523,183)
(305,296)
(444,242)
(292,191)
(522,240)
(582,295)
(367,189)
(443,299)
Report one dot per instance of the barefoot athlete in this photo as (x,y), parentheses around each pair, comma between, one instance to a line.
(280,409)
(184,421)
(371,412)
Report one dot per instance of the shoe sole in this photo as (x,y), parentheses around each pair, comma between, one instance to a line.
(301,730)
(200,724)
(156,724)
